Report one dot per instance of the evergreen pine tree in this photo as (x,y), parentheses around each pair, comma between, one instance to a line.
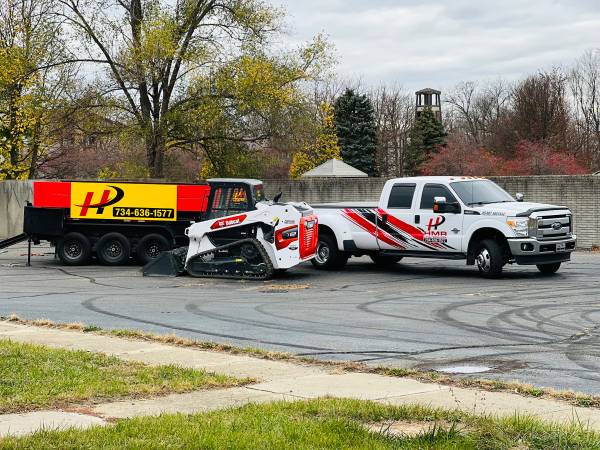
(426,135)
(356,131)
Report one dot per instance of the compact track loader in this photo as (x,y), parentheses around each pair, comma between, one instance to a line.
(252,245)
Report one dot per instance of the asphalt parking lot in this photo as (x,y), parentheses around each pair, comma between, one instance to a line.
(420,313)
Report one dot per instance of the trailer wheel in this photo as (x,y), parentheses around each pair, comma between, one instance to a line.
(113,249)
(150,247)
(74,249)
(384,260)
(328,256)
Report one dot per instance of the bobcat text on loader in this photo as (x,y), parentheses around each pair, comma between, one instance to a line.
(231,229)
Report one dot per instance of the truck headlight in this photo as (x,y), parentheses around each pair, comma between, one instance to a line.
(520,225)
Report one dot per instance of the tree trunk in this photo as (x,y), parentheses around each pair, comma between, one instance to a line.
(13,111)
(155,150)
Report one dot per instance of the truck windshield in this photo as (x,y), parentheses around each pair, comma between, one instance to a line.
(480,192)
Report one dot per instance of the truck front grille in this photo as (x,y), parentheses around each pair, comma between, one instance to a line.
(552,226)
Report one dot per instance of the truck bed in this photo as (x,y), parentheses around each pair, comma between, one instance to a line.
(343,205)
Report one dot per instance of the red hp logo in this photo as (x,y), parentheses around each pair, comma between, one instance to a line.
(104,201)
(435,222)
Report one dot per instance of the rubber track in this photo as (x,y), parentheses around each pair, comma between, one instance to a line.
(263,253)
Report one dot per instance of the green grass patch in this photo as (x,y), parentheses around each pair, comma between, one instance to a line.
(316,424)
(34,376)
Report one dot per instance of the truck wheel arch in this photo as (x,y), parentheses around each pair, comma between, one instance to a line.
(324,229)
(482,234)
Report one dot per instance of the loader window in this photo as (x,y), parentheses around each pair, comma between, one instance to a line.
(227,201)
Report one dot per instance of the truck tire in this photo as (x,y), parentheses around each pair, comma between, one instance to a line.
(384,260)
(74,249)
(548,269)
(150,246)
(113,249)
(489,258)
(328,256)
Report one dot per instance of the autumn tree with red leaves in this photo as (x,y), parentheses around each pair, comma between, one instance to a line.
(537,158)
(461,156)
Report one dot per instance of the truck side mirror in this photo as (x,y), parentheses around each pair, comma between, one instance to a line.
(519,197)
(441,206)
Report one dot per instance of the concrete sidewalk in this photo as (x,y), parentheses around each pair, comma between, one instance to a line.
(277,380)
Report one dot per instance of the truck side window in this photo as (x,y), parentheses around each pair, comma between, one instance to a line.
(430,191)
(401,196)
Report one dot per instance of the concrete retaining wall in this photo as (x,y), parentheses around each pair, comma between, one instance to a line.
(580,193)
(13,196)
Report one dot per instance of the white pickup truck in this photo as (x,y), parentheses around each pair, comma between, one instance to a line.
(446,217)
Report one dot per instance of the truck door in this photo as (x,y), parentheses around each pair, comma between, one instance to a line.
(394,219)
(440,232)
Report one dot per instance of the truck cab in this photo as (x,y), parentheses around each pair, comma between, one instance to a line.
(466,218)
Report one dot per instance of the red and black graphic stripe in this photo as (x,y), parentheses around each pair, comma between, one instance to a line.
(367,219)
(393,231)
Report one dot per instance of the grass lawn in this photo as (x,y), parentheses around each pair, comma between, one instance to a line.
(315,424)
(34,376)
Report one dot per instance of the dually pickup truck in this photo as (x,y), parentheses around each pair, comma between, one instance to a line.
(446,217)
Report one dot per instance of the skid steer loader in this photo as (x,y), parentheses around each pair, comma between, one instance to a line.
(252,245)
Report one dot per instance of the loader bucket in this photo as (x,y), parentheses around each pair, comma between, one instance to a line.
(167,264)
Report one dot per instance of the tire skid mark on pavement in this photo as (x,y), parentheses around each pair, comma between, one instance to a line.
(90,305)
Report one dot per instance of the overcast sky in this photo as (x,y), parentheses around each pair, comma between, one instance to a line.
(436,43)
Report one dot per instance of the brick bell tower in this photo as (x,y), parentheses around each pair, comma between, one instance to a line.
(429,98)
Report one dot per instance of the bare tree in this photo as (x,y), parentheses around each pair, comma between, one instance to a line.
(541,109)
(477,111)
(394,116)
(585,89)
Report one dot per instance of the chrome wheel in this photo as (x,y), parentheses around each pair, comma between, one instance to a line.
(484,260)
(323,252)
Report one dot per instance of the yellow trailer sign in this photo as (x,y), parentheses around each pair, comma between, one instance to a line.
(123,201)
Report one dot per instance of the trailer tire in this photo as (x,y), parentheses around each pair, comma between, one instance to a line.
(113,249)
(489,258)
(74,249)
(150,247)
(328,256)
(384,260)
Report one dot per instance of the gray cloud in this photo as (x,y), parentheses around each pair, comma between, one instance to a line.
(437,43)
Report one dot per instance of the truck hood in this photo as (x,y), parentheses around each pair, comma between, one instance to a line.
(514,208)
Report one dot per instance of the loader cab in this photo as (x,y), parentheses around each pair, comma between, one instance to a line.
(230,196)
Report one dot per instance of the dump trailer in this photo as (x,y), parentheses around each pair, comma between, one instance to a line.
(114,222)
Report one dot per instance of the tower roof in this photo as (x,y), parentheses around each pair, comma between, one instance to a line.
(428,91)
